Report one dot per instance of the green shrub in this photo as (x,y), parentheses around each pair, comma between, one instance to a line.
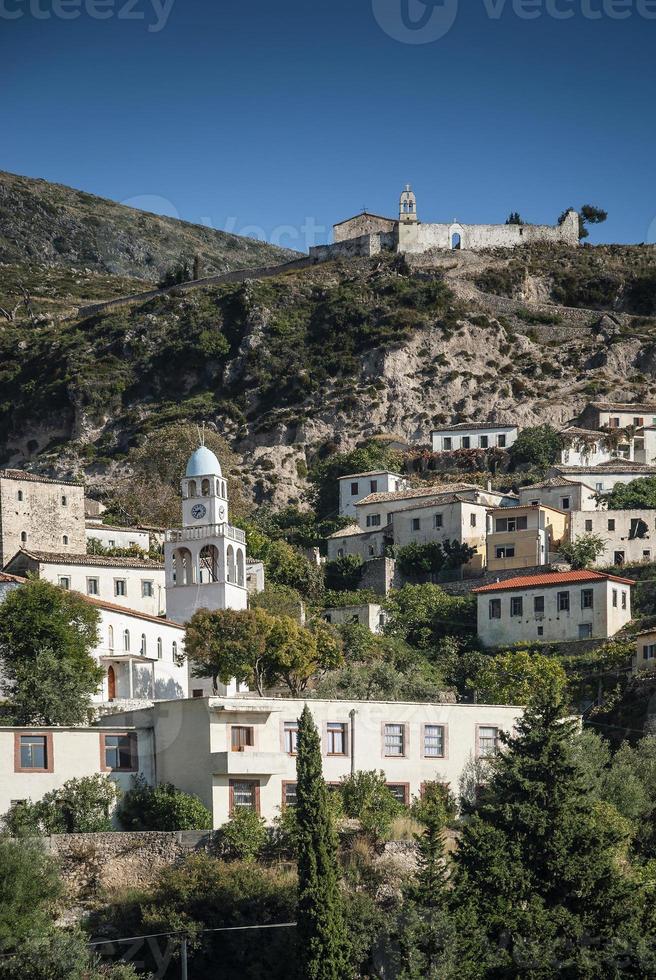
(162,807)
(366,797)
(80,806)
(243,836)
(344,574)
(436,802)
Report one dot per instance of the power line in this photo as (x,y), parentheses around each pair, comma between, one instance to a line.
(159,935)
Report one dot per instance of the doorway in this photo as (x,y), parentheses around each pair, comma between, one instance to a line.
(111,684)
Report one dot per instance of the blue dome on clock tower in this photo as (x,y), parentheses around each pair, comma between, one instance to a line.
(203,462)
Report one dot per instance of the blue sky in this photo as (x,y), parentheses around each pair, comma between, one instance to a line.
(280,118)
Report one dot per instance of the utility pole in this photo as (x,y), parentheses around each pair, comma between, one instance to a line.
(183,958)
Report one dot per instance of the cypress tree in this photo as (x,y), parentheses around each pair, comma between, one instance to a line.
(321,931)
(538,866)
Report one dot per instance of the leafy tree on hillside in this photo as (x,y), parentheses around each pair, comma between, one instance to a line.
(422,614)
(150,491)
(46,638)
(321,931)
(538,867)
(366,797)
(325,473)
(344,573)
(537,445)
(284,563)
(433,557)
(588,215)
(584,551)
(636,495)
(259,649)
(518,677)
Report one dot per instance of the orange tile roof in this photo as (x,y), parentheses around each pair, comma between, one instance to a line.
(137,614)
(551,578)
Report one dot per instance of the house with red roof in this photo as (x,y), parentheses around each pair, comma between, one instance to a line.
(554,607)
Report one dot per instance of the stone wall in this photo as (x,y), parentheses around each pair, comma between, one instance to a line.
(96,864)
(362,225)
(238,275)
(379,575)
(51,514)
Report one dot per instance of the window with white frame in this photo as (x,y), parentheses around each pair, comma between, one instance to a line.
(394,740)
(147,588)
(495,608)
(93,586)
(373,520)
(120,587)
(434,741)
(587,598)
(488,740)
(160,651)
(563,602)
(290,734)
(244,794)
(336,738)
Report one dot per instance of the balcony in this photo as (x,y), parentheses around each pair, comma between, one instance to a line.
(248,763)
(180,535)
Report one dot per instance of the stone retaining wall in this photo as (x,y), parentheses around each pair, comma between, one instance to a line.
(238,275)
(93,864)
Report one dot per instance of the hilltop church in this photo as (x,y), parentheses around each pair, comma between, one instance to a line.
(368,234)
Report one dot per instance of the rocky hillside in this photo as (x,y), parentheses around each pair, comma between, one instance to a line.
(323,358)
(49,224)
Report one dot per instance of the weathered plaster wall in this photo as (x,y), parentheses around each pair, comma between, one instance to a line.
(362,224)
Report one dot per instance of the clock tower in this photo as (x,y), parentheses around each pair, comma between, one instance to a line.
(205,559)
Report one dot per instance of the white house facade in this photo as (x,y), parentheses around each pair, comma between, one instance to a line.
(142,656)
(241,752)
(554,607)
(355,487)
(560,493)
(34,761)
(369,614)
(136,583)
(485,435)
(629,535)
(605,476)
(117,537)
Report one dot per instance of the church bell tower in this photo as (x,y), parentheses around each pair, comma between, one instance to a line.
(205,559)
(408,206)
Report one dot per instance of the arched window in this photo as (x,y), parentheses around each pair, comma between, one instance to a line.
(20,494)
(456,241)
(208,561)
(65,539)
(183,574)
(230,561)
(126,640)
(23,536)
(110,637)
(240,567)
(205,488)
(159,648)
(143,644)
(218,487)
(174,651)
(192,488)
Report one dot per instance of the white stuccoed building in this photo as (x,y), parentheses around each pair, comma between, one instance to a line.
(469,435)
(553,607)
(205,559)
(239,753)
(356,486)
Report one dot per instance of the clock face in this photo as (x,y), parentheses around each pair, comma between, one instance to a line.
(198,511)
(221,511)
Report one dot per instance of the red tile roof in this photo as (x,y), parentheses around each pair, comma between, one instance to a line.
(551,578)
(112,607)
(6,577)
